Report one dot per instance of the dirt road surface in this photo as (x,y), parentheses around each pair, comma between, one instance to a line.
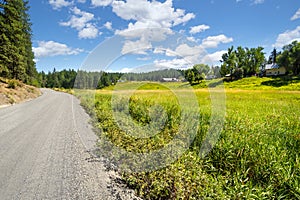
(44,152)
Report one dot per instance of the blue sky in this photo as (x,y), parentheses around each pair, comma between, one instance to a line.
(125,35)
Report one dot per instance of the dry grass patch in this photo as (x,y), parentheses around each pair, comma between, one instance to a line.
(14,91)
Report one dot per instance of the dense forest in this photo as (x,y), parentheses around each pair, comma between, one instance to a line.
(16,56)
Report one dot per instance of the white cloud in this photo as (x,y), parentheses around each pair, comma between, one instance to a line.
(150,20)
(145,11)
(81,1)
(150,32)
(89,31)
(192,54)
(136,47)
(148,15)
(191,39)
(258,1)
(287,37)
(177,63)
(57,4)
(214,41)
(144,58)
(186,61)
(166,52)
(126,70)
(184,19)
(185,50)
(81,21)
(254,1)
(296,15)
(213,58)
(199,28)
(108,25)
(51,48)
(101,2)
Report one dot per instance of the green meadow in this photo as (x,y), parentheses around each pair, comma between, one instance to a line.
(256,155)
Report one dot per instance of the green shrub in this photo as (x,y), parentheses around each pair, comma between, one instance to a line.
(13,84)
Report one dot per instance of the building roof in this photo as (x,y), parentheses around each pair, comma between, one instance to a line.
(169,79)
(272,66)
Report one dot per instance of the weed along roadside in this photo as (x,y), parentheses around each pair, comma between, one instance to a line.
(256,155)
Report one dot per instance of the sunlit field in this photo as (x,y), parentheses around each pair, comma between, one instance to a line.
(255,157)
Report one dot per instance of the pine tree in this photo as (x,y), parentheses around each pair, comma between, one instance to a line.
(31,72)
(16,56)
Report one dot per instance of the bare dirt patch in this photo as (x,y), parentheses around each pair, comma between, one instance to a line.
(13,91)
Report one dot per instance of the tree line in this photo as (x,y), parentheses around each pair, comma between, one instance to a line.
(91,80)
(242,62)
(16,56)
(245,62)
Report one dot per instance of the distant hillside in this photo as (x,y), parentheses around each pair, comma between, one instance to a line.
(13,91)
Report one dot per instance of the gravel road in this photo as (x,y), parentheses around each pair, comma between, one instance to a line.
(44,151)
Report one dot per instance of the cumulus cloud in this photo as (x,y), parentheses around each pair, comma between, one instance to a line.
(183,52)
(191,39)
(81,21)
(108,25)
(81,1)
(296,15)
(184,19)
(57,4)
(164,51)
(101,2)
(213,57)
(199,28)
(90,31)
(176,63)
(51,48)
(187,51)
(162,14)
(214,41)
(150,20)
(136,47)
(126,70)
(287,37)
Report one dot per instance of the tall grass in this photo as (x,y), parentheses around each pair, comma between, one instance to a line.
(256,156)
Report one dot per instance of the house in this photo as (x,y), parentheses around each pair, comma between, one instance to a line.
(228,77)
(274,70)
(169,80)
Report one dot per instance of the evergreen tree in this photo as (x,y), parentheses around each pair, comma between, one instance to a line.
(16,56)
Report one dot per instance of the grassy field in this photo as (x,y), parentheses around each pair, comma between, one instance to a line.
(255,157)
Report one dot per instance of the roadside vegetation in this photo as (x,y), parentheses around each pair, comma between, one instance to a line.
(13,91)
(256,156)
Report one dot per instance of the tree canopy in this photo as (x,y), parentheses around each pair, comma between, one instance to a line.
(242,62)
(16,56)
(290,57)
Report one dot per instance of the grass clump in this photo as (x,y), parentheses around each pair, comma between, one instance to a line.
(13,84)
